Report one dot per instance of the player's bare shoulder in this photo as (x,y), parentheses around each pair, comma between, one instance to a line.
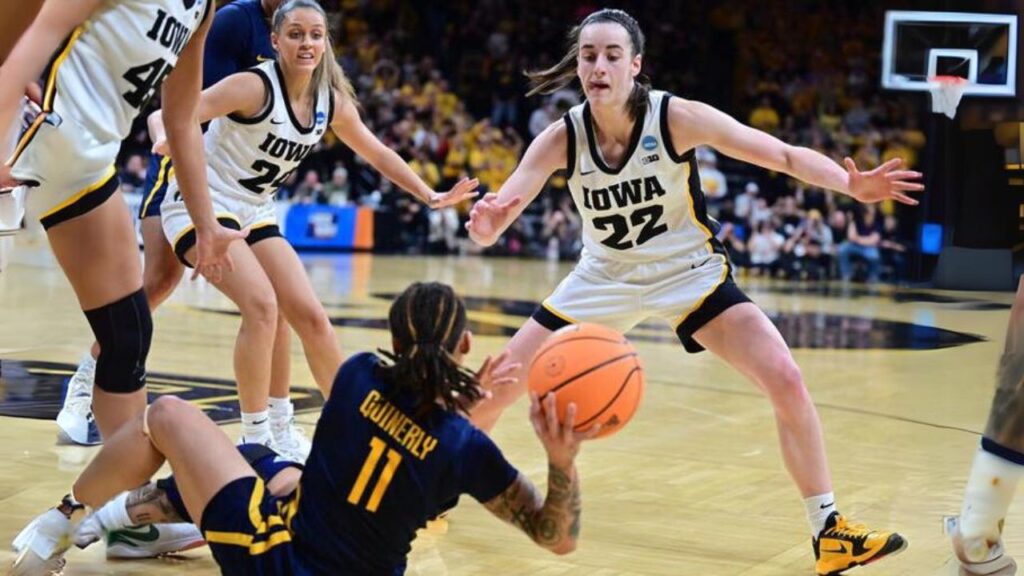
(549,150)
(685,119)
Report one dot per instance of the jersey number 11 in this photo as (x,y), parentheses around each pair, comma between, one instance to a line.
(377,449)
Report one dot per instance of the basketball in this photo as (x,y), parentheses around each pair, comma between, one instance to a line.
(594,367)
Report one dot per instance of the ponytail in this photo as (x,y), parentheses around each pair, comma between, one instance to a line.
(427,322)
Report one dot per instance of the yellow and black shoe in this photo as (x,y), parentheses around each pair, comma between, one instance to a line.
(842,545)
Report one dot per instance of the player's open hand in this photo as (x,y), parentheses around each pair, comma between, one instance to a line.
(497,375)
(487,218)
(560,439)
(885,182)
(212,257)
(464,189)
(161,147)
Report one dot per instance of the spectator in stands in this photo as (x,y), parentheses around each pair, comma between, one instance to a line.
(863,235)
(894,250)
(338,189)
(764,248)
(133,175)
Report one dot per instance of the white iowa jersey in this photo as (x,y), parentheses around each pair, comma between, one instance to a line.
(249,158)
(652,206)
(108,69)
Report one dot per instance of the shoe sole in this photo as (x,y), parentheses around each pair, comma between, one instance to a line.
(190,544)
(893,546)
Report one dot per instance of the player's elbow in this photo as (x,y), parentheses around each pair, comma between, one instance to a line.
(563,546)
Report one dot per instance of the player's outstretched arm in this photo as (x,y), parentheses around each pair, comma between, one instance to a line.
(243,94)
(181,93)
(492,214)
(554,521)
(694,124)
(349,127)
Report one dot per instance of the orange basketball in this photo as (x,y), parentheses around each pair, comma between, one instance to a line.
(594,367)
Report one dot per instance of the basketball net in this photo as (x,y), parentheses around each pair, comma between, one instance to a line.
(946,93)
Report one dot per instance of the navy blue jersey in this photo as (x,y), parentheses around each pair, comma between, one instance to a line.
(239,39)
(376,475)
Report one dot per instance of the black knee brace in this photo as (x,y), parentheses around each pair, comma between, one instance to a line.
(124,330)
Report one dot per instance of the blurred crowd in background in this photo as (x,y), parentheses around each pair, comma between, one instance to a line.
(440,81)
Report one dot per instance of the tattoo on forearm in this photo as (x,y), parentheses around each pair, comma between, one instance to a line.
(547,521)
(150,505)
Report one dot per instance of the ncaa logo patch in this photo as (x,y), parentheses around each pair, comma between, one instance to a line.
(321,117)
(649,143)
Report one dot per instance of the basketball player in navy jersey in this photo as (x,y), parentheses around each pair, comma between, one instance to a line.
(238,39)
(649,249)
(392,447)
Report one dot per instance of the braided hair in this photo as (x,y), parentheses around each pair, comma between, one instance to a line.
(427,322)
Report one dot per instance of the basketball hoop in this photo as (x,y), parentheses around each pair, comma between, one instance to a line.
(946,93)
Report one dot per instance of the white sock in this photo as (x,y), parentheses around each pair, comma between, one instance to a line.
(819,508)
(88,362)
(990,489)
(114,514)
(280,410)
(256,426)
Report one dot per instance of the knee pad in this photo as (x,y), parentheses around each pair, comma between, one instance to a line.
(124,330)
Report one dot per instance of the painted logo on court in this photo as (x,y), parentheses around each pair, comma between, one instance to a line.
(32,389)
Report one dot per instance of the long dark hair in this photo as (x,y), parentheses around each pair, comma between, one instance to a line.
(328,71)
(562,74)
(427,322)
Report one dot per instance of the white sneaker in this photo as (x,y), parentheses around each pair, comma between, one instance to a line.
(75,420)
(978,557)
(290,441)
(153,540)
(41,545)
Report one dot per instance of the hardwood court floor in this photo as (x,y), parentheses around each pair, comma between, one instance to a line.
(694,486)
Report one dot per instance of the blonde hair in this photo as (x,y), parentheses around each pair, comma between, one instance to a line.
(328,71)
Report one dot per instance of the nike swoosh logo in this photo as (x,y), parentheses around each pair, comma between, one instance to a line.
(827,506)
(128,536)
(582,173)
(840,550)
(273,121)
(258,422)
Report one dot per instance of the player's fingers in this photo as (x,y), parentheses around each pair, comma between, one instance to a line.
(589,433)
(887,167)
(851,166)
(195,272)
(569,423)
(904,199)
(511,203)
(506,370)
(904,185)
(551,413)
(903,175)
(482,372)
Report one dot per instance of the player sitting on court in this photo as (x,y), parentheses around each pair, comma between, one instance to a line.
(391,450)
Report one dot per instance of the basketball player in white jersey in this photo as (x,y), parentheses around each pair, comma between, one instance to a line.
(649,248)
(106,60)
(264,122)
